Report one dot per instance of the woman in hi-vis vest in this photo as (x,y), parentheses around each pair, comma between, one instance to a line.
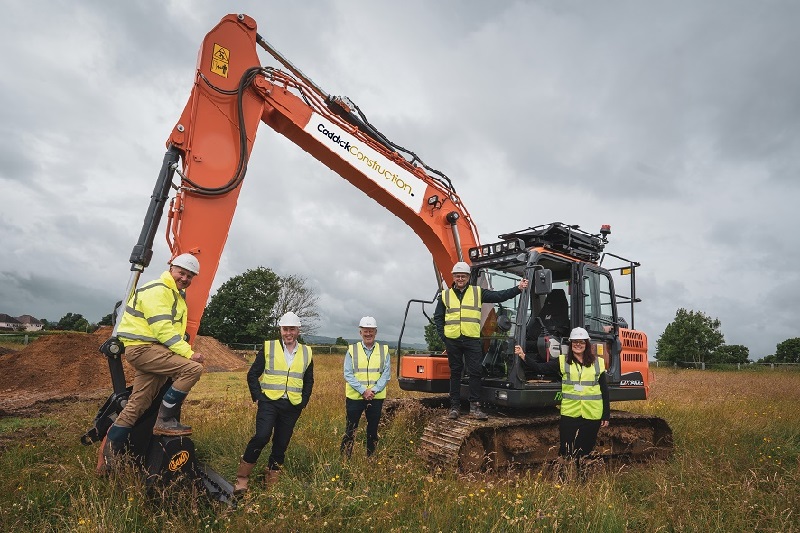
(584,394)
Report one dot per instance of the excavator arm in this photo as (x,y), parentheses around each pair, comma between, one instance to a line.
(210,145)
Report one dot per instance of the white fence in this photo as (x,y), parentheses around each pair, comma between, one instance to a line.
(727,366)
(16,337)
(317,348)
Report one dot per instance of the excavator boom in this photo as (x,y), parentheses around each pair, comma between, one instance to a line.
(232,94)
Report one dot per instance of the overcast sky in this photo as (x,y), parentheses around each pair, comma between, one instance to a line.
(676,122)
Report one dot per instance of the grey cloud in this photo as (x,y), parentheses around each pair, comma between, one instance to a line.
(672,121)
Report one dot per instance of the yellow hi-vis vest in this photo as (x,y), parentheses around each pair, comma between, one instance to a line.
(278,379)
(156,313)
(462,317)
(580,389)
(367,370)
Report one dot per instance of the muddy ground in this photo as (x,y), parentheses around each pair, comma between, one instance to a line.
(69,366)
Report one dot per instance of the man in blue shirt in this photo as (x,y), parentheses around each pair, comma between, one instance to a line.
(367,369)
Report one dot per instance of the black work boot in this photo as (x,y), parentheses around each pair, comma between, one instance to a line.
(476,412)
(168,424)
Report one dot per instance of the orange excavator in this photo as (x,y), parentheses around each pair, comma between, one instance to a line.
(208,150)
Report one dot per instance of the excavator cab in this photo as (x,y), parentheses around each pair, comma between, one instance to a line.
(567,288)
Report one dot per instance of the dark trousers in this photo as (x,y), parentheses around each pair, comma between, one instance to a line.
(578,436)
(459,351)
(278,416)
(354,410)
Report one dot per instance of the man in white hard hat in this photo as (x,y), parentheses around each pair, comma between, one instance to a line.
(152,329)
(367,370)
(280,380)
(458,321)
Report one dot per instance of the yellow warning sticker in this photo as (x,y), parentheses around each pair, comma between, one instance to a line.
(220,60)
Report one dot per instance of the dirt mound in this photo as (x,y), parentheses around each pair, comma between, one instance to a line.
(70,365)
(219,358)
(4,350)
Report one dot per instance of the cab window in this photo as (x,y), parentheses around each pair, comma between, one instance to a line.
(598,301)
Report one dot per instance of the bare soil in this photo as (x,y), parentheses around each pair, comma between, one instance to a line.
(70,366)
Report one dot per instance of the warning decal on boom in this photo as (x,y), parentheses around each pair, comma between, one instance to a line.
(220,60)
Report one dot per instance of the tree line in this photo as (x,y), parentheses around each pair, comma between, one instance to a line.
(695,337)
(245,309)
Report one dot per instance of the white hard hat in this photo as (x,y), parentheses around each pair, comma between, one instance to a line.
(579,334)
(460,268)
(289,319)
(187,261)
(368,322)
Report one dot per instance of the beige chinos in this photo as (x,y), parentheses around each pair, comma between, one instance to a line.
(154,363)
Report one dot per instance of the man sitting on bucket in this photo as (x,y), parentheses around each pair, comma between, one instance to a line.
(152,330)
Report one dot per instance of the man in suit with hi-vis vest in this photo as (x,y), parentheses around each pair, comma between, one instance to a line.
(280,380)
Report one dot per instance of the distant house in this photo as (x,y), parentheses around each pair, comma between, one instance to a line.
(30,323)
(10,323)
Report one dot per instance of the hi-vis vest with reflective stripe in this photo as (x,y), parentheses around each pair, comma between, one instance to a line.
(278,379)
(367,370)
(588,402)
(462,317)
(156,313)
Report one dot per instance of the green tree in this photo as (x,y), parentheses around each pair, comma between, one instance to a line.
(72,322)
(242,310)
(435,343)
(340,341)
(692,336)
(245,309)
(732,354)
(788,351)
(106,320)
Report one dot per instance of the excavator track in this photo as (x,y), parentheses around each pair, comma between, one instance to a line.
(467,445)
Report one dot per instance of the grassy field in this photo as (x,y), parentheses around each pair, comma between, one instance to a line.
(736,467)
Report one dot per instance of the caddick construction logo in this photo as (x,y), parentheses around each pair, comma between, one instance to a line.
(178,460)
(369,162)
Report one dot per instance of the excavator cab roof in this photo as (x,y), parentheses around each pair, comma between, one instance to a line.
(560,237)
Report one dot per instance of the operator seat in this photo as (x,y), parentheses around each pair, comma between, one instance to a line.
(554,317)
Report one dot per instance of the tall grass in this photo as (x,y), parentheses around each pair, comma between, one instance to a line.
(736,467)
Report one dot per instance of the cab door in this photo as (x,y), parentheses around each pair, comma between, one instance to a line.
(597,311)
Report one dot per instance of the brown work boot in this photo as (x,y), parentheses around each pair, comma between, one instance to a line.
(476,412)
(171,427)
(271,477)
(242,477)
